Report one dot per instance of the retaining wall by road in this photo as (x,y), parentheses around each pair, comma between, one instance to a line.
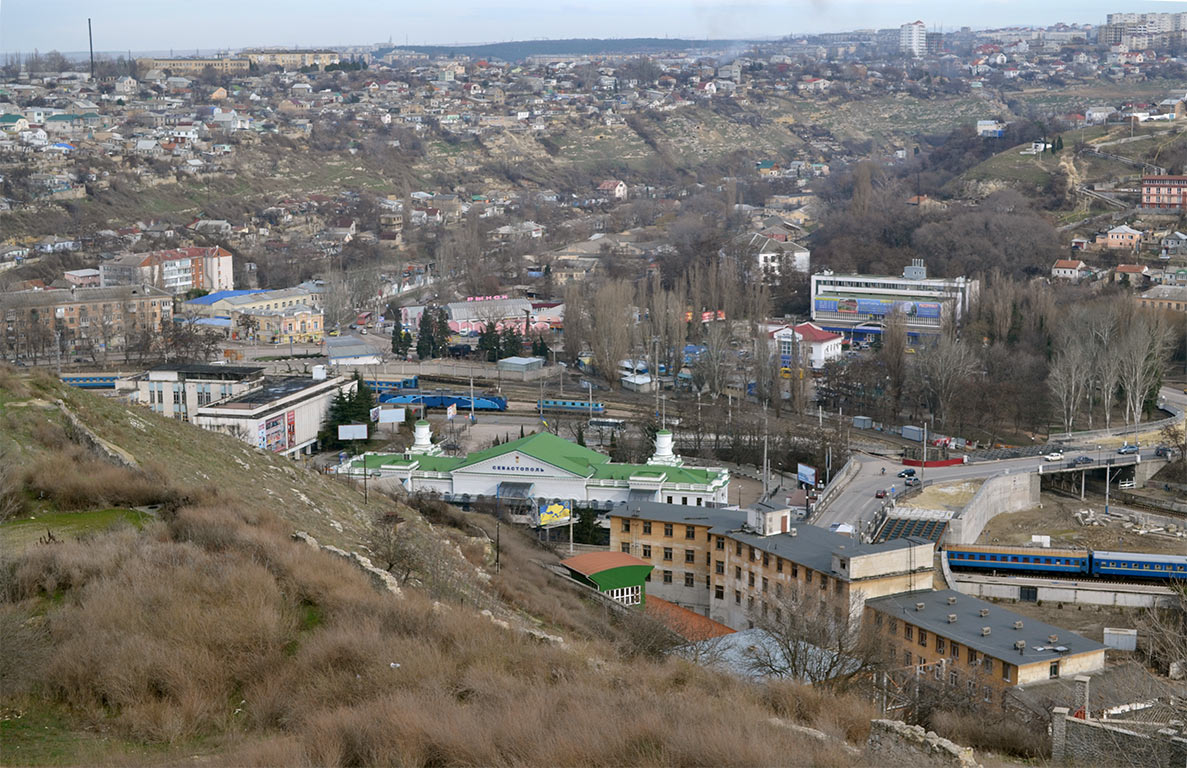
(1003,493)
(939,463)
(839,481)
(1108,593)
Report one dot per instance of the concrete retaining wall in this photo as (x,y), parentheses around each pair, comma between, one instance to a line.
(1003,493)
(1075,592)
(1095,742)
(895,743)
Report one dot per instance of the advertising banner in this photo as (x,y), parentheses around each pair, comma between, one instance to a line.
(292,429)
(555,512)
(352,431)
(275,433)
(879,307)
(451,411)
(806,474)
(375,413)
(391,416)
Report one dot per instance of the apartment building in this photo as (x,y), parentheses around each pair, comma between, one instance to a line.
(177,270)
(1164,192)
(295,324)
(178,391)
(968,643)
(913,39)
(292,59)
(87,319)
(195,66)
(858,305)
(735,566)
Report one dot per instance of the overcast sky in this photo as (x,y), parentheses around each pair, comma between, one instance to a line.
(121,25)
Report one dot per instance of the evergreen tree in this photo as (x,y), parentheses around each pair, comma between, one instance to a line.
(339,413)
(361,402)
(401,342)
(540,347)
(521,430)
(441,333)
(580,435)
(489,342)
(424,335)
(1059,143)
(511,342)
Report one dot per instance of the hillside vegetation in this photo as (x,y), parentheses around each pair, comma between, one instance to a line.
(175,620)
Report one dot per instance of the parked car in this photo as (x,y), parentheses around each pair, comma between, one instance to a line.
(880,493)
(908,472)
(1127,449)
(1082,460)
(1053,456)
(911,482)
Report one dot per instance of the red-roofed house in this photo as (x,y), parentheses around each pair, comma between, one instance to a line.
(613,187)
(1136,274)
(1069,269)
(815,345)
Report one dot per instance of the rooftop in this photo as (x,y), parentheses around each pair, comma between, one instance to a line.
(591,563)
(273,390)
(967,628)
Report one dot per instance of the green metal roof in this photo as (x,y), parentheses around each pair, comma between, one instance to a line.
(549,449)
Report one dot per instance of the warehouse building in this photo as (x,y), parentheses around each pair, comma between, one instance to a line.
(180,390)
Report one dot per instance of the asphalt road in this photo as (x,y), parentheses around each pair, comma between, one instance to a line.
(856,504)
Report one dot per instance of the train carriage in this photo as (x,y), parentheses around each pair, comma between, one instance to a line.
(570,406)
(1139,565)
(1018,559)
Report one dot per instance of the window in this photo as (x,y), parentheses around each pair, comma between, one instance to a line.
(1006,669)
(936,670)
(906,658)
(779,565)
(877,619)
(626,547)
(689,580)
(738,572)
(646,551)
(626,526)
(708,559)
(750,577)
(764,583)
(719,592)
(690,532)
(955,651)
(766,559)
(953,679)
(972,688)
(795,571)
(668,554)
(750,603)
(669,499)
(939,644)
(684,500)
(1053,672)
(823,581)
(668,530)
(908,632)
(738,548)
(719,567)
(838,585)
(647,527)
(737,597)
(972,657)
(894,626)
(778,589)
(667,577)
(807,576)
(721,542)
(690,556)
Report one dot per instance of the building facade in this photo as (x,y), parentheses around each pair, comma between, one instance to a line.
(177,391)
(1164,192)
(292,59)
(736,566)
(87,320)
(860,304)
(977,646)
(282,416)
(912,39)
(544,467)
(177,271)
(195,66)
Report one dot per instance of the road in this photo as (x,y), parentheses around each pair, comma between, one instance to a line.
(856,504)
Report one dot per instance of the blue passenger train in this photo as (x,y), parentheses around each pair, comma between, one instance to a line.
(570,406)
(1085,562)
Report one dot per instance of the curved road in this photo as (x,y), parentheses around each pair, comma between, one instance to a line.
(855,503)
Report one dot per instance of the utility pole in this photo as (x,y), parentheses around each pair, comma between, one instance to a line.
(91,43)
(923,463)
(471,396)
(58,350)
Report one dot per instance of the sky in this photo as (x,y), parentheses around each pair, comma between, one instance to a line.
(137,25)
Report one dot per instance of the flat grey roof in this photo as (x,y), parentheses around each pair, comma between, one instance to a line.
(273,389)
(966,630)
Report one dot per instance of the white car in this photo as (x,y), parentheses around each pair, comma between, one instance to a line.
(1056,456)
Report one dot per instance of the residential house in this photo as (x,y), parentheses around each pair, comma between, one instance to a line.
(615,188)
(805,344)
(1070,269)
(1169,297)
(1123,237)
(1136,275)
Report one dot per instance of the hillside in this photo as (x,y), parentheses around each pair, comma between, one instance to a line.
(163,613)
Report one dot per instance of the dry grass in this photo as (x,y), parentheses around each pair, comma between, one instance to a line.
(211,631)
(993,731)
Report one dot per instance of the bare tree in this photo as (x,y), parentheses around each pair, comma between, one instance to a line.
(894,355)
(1144,349)
(710,368)
(943,369)
(815,641)
(611,323)
(576,321)
(1067,379)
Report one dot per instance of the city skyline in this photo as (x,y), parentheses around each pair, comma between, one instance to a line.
(26,25)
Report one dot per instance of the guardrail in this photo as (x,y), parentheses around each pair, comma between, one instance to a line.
(840,480)
(1175,417)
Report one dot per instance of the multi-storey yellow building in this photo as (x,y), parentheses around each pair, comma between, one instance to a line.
(966,642)
(735,566)
(292,59)
(195,66)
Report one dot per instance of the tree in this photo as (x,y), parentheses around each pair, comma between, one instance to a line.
(1066,379)
(510,342)
(813,641)
(1144,349)
(401,343)
(424,335)
(611,321)
(943,368)
(392,549)
(893,354)
(488,342)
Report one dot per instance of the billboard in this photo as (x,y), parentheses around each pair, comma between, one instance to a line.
(275,433)
(451,411)
(352,431)
(552,513)
(878,307)
(391,416)
(806,474)
(292,428)
(375,413)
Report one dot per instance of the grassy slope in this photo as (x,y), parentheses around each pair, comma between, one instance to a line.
(209,635)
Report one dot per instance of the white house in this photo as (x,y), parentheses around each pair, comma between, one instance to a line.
(814,345)
(1069,269)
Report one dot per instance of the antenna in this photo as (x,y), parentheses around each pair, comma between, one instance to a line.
(91,43)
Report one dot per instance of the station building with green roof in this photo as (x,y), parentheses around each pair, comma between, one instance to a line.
(544,466)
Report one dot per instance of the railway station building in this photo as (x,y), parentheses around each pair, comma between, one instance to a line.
(543,468)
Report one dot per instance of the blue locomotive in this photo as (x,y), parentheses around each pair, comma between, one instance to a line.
(1085,562)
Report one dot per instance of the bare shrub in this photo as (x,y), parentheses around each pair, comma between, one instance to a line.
(72,479)
(992,731)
